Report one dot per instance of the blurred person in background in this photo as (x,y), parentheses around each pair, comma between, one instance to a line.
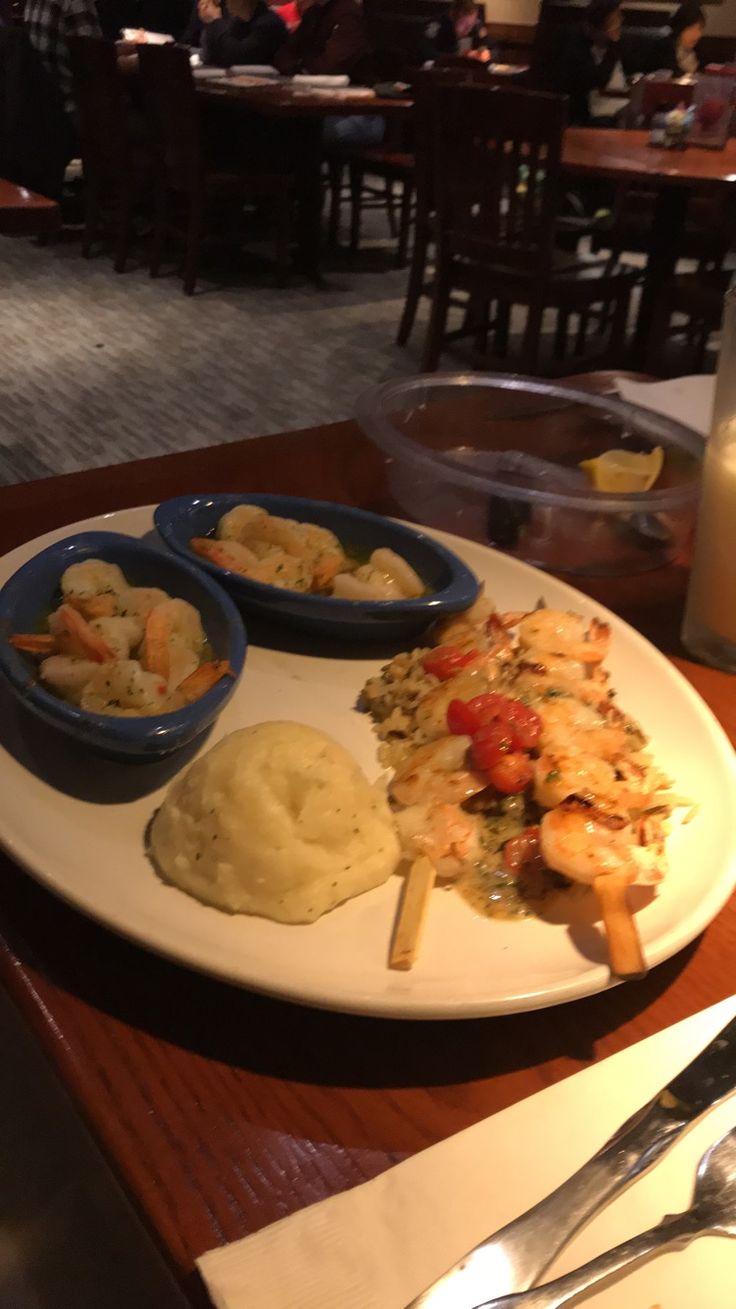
(332,38)
(290,14)
(590,65)
(679,53)
(249,33)
(460,31)
(50,24)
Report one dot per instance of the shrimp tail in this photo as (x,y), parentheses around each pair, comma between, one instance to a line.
(31,643)
(75,633)
(203,679)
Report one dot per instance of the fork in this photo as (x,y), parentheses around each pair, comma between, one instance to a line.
(712,1212)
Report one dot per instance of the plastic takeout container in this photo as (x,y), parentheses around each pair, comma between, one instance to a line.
(496,458)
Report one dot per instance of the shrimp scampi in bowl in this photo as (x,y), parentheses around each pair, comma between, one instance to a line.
(115,649)
(305,557)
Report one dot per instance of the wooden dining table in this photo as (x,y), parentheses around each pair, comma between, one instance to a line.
(627,157)
(221,1110)
(302,113)
(26,213)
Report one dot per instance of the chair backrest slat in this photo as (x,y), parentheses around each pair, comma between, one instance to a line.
(171,101)
(102,105)
(496,173)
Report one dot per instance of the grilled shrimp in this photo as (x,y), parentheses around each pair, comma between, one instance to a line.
(556,632)
(444,832)
(585,841)
(438,771)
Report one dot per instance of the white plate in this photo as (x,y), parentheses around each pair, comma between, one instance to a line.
(90,851)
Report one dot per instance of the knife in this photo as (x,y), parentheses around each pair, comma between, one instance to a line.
(515,1258)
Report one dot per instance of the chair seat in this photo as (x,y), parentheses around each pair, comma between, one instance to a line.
(567,272)
(400,163)
(235,183)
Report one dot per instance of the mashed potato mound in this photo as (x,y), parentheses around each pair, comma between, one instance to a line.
(276,820)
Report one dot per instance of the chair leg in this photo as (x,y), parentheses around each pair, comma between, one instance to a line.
(437,321)
(337,170)
(561,330)
(407,195)
(124,229)
(619,323)
(391,208)
(193,241)
(91,215)
(356,200)
(501,331)
(158,236)
(416,283)
(283,238)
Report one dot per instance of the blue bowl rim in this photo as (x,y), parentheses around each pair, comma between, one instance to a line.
(118,729)
(463,585)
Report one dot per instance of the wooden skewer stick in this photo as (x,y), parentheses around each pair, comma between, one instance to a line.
(412,912)
(624,946)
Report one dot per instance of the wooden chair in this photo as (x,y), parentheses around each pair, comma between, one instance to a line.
(187,186)
(116,170)
(698,298)
(425,84)
(392,165)
(496,177)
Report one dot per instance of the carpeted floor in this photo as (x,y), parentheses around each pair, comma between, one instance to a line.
(99,368)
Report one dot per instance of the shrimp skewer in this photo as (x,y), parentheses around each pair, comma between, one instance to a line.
(418,888)
(594,845)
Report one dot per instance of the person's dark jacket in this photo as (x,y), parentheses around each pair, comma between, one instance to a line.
(332,39)
(578,73)
(233,40)
(37,137)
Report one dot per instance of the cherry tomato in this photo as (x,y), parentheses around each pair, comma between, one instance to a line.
(522,855)
(490,744)
(487,707)
(512,773)
(460,719)
(447,660)
(524,723)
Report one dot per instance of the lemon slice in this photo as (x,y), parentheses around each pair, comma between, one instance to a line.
(623,472)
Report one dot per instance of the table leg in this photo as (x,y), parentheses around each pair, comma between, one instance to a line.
(307,143)
(664,247)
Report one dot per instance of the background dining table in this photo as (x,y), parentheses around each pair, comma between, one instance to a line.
(222,1110)
(626,157)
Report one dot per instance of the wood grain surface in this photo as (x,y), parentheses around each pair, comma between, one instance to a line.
(626,155)
(221,1110)
(24,212)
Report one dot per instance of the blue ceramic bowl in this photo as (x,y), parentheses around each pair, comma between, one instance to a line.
(34,590)
(452,586)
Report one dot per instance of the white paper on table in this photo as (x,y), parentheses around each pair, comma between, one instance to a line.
(378,1245)
(141,36)
(688,400)
(325,80)
(254,70)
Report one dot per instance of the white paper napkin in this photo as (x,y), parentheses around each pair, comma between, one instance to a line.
(255,70)
(377,1246)
(328,82)
(689,400)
